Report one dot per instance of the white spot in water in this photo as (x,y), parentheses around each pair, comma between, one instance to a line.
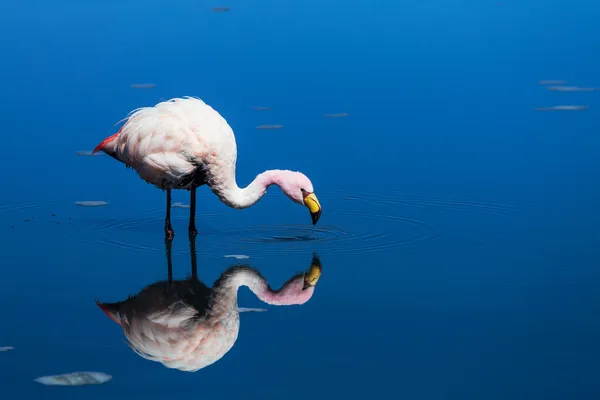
(249,309)
(6,348)
(75,379)
(237,256)
(336,115)
(87,153)
(552,82)
(179,205)
(143,85)
(563,108)
(91,203)
(269,127)
(573,89)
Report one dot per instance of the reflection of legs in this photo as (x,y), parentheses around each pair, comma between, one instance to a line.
(192,227)
(168,250)
(169,246)
(169,234)
(193,256)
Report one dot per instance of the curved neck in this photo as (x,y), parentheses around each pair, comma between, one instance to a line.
(226,287)
(236,197)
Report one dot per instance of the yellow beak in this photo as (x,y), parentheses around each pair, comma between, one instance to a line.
(312,203)
(314,273)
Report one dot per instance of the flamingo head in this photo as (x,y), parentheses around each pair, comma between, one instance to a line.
(311,277)
(300,288)
(300,190)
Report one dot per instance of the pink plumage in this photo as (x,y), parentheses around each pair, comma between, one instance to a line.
(183,143)
(187,326)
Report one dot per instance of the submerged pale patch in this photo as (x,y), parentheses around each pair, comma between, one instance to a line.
(143,85)
(6,348)
(563,108)
(87,153)
(180,205)
(269,127)
(573,89)
(552,82)
(91,203)
(237,256)
(75,379)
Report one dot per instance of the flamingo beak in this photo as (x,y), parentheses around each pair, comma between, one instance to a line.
(312,203)
(314,273)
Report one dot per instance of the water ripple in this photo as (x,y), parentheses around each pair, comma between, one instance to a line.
(446,204)
(23,206)
(400,232)
(385,226)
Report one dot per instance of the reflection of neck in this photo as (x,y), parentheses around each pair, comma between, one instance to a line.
(226,288)
(236,197)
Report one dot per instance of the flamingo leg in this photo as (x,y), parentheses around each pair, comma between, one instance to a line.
(192,228)
(193,257)
(169,234)
(168,248)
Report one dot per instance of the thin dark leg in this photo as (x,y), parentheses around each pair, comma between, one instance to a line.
(169,285)
(169,234)
(192,227)
(193,256)
(169,246)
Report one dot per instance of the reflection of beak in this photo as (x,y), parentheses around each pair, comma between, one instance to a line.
(314,273)
(312,203)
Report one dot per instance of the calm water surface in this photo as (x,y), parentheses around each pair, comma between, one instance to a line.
(459,236)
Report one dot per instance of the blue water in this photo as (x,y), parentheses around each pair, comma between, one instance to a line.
(459,230)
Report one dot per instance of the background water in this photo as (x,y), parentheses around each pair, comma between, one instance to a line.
(460,226)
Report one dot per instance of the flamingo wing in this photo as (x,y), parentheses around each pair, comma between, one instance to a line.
(176,142)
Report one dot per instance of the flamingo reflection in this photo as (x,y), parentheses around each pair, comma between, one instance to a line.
(186,325)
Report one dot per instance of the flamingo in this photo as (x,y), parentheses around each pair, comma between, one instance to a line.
(186,325)
(183,143)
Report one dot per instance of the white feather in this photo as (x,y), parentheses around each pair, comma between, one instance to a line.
(170,140)
(183,143)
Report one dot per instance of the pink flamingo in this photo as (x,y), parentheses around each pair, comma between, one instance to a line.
(183,143)
(186,325)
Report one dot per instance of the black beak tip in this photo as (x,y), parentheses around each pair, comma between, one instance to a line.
(315,217)
(316,261)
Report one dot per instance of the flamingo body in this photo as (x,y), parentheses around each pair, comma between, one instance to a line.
(187,326)
(175,329)
(177,144)
(183,143)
